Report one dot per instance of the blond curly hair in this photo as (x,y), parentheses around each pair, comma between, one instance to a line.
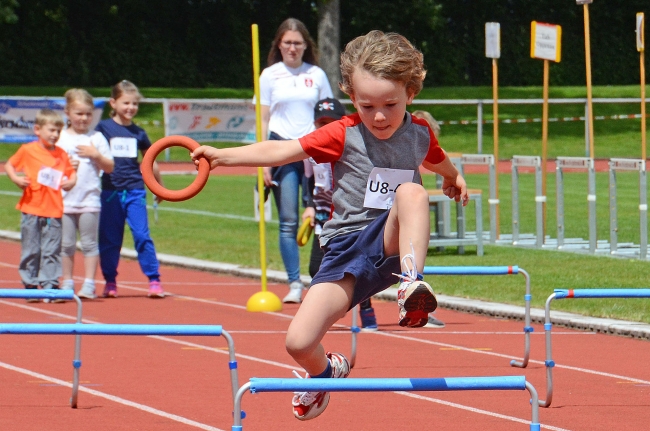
(385,55)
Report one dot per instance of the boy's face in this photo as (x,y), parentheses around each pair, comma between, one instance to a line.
(381,103)
(48,134)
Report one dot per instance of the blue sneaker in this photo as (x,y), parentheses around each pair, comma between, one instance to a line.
(368,319)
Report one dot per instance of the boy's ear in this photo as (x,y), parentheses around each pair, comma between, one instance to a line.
(37,129)
(411,95)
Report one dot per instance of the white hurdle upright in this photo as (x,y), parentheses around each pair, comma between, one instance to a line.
(256,385)
(581,163)
(628,165)
(528,162)
(576,293)
(487,160)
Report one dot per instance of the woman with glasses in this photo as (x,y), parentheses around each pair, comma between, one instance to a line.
(289,88)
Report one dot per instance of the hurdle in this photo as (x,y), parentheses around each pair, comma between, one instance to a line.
(494,270)
(528,162)
(628,165)
(582,163)
(255,385)
(52,294)
(577,294)
(487,160)
(79,329)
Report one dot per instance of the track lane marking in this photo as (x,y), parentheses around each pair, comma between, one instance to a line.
(254,359)
(113,398)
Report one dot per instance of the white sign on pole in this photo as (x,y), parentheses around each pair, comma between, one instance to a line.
(211,120)
(545,41)
(492,40)
(640,39)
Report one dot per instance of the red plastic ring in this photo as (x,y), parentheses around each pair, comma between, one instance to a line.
(173,195)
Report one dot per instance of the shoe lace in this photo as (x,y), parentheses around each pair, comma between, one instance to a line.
(409,273)
(305,398)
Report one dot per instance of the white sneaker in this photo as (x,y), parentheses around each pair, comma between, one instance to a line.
(415,298)
(295,293)
(308,405)
(87,291)
(67,284)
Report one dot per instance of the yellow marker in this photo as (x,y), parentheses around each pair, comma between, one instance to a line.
(304,232)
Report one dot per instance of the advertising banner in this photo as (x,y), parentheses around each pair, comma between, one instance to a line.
(221,120)
(17,116)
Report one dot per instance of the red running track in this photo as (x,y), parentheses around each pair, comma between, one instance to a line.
(182,383)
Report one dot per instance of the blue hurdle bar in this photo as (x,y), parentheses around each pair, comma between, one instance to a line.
(388,384)
(494,270)
(130,329)
(576,293)
(52,294)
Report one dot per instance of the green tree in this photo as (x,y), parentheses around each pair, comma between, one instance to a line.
(7,11)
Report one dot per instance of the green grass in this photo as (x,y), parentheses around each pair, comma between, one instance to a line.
(236,241)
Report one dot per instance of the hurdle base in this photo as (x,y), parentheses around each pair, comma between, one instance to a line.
(264,301)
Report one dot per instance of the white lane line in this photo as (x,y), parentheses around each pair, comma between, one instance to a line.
(242,356)
(501,355)
(210,214)
(393,335)
(474,410)
(113,398)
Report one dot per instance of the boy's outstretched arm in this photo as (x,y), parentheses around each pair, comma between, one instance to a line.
(21,181)
(265,153)
(453,183)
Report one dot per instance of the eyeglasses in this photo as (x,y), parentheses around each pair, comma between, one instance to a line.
(288,44)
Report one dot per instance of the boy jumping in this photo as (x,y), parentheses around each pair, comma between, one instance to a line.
(380,211)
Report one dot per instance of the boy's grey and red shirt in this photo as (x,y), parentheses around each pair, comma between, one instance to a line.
(354,152)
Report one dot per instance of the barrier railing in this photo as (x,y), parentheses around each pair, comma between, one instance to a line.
(576,293)
(628,165)
(580,163)
(534,162)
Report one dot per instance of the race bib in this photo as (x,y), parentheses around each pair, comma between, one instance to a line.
(382,184)
(323,177)
(50,177)
(124,147)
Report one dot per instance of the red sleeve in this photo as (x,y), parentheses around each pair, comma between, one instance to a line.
(435,154)
(325,145)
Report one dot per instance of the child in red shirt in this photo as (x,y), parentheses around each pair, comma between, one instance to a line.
(46,170)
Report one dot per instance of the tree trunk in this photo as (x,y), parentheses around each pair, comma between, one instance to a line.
(329,42)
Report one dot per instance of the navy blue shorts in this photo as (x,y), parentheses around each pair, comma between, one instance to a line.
(361,254)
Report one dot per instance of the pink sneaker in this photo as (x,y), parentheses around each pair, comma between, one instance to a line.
(308,405)
(155,289)
(110,290)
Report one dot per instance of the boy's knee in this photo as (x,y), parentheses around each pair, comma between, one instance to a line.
(411,191)
(296,346)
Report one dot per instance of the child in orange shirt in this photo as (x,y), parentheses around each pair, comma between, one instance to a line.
(46,171)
